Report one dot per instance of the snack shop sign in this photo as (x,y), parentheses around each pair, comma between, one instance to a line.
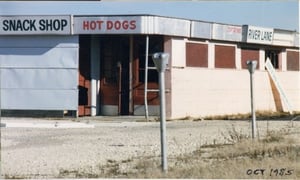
(21,25)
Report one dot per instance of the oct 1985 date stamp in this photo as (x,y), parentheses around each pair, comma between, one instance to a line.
(271,172)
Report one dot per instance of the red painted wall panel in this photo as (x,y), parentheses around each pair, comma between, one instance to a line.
(224,56)
(249,54)
(196,55)
(293,61)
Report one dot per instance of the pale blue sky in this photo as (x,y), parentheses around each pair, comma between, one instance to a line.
(282,14)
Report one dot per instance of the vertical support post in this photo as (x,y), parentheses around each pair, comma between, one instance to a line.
(163,120)
(146,78)
(0,95)
(251,67)
(130,74)
(253,115)
(161,60)
(95,74)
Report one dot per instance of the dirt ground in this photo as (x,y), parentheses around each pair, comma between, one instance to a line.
(47,152)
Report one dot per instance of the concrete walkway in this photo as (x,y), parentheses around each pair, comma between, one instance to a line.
(42,123)
(80,122)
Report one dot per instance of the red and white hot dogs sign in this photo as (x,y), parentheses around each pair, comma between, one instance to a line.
(107,25)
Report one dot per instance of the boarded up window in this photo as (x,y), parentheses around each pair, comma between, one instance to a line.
(249,54)
(196,55)
(224,56)
(293,61)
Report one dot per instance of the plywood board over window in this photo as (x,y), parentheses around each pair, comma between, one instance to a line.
(249,54)
(196,55)
(293,61)
(224,56)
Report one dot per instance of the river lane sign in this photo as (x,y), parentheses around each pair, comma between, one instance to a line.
(258,35)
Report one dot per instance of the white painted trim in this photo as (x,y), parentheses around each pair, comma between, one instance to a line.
(238,58)
(178,49)
(262,59)
(211,55)
(283,54)
(196,42)
(95,75)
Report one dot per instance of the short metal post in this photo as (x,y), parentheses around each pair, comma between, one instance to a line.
(251,67)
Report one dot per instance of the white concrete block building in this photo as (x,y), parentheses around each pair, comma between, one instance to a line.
(95,65)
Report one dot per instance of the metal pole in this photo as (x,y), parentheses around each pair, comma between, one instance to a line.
(253,106)
(130,74)
(163,121)
(0,95)
(161,61)
(251,65)
(146,78)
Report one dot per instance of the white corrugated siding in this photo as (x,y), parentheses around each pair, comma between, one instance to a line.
(39,72)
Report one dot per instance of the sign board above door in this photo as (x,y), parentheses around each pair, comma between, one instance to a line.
(27,25)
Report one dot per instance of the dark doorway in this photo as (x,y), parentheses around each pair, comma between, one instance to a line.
(274,57)
(114,68)
(84,106)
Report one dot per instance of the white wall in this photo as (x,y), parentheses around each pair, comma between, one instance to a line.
(178,52)
(39,72)
(202,92)
(208,91)
(283,38)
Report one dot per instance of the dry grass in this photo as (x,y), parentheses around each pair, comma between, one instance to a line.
(274,156)
(262,115)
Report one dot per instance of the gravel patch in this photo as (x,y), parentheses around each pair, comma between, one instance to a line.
(38,152)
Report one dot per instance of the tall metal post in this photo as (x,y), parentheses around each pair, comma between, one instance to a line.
(130,74)
(146,78)
(253,107)
(251,67)
(0,95)
(161,60)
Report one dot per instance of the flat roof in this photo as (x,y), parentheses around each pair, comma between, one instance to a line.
(83,8)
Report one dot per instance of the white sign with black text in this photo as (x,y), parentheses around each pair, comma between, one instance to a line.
(21,25)
(252,34)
